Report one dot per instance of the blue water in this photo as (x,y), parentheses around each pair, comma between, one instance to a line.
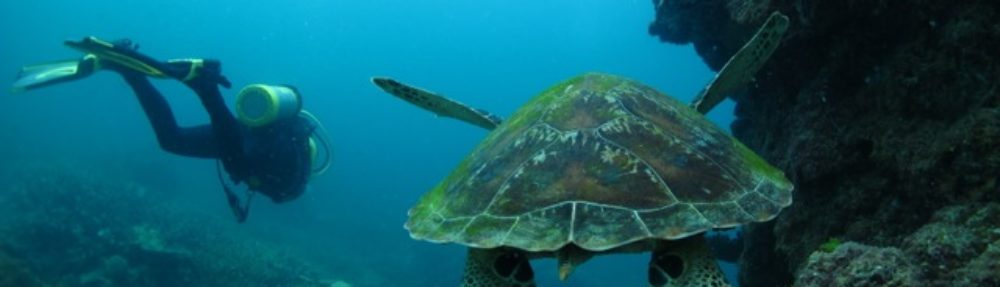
(493,54)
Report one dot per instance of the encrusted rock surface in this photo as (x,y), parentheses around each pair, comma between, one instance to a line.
(881,112)
(854,264)
(960,246)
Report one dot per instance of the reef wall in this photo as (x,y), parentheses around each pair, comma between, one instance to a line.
(885,114)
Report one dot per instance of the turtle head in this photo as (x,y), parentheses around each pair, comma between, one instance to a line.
(569,257)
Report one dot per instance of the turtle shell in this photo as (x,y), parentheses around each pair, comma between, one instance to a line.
(599,161)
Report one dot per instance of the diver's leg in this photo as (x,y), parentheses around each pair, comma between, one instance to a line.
(684,262)
(497,267)
(194,141)
(228,131)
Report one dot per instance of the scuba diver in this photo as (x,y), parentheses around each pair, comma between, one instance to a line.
(271,144)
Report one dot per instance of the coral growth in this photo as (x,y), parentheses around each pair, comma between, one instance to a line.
(881,112)
(830,245)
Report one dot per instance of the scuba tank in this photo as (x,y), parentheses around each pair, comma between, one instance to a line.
(269,109)
(259,105)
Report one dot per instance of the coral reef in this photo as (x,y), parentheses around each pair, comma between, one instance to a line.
(882,112)
(77,229)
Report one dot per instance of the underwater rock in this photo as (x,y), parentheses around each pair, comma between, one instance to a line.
(982,270)
(94,279)
(681,22)
(853,264)
(95,231)
(14,273)
(960,247)
(882,113)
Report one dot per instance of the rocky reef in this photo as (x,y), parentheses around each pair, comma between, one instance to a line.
(15,273)
(853,264)
(66,227)
(959,247)
(885,114)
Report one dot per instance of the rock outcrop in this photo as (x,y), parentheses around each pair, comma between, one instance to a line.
(882,112)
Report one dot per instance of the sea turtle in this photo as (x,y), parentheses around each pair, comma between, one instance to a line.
(601,164)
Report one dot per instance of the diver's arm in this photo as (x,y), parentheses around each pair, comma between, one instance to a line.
(198,141)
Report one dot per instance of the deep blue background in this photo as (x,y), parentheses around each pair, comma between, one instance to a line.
(493,54)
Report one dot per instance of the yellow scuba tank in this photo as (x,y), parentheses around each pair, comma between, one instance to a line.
(258,105)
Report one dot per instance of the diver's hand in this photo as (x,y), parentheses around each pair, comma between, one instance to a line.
(126,43)
(212,70)
(208,75)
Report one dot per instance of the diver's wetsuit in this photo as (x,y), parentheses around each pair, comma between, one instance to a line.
(198,141)
(274,159)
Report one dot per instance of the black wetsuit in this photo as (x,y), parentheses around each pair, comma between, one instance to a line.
(273,159)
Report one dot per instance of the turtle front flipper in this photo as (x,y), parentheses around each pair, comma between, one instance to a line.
(497,267)
(438,104)
(744,64)
(684,262)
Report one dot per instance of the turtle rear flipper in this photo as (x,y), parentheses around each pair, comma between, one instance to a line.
(438,104)
(685,262)
(744,64)
(497,267)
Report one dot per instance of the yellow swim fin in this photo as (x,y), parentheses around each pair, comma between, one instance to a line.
(42,75)
(123,56)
